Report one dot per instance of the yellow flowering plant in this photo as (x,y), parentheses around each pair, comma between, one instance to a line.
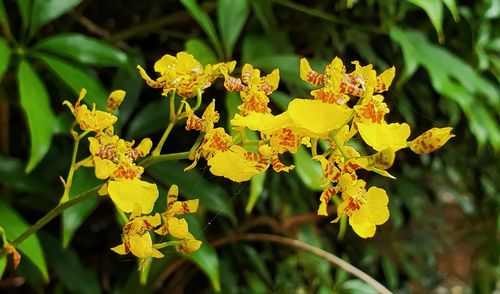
(344,106)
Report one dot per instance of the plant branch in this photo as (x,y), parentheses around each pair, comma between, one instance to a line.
(163,157)
(333,259)
(51,215)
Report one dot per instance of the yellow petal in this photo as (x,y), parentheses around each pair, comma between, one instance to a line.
(188,245)
(384,80)
(142,246)
(232,165)
(144,147)
(183,207)
(114,100)
(307,74)
(376,205)
(431,140)
(127,194)
(325,197)
(263,122)
(363,228)
(178,227)
(120,249)
(383,135)
(316,118)
(104,168)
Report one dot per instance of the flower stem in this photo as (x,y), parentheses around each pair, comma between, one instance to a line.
(51,215)
(157,150)
(165,244)
(71,172)
(163,157)
(341,147)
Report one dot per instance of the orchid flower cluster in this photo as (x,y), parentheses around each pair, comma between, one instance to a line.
(343,106)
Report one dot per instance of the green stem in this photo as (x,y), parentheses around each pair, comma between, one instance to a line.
(157,150)
(51,215)
(164,157)
(196,144)
(71,172)
(165,244)
(314,147)
(341,147)
(198,100)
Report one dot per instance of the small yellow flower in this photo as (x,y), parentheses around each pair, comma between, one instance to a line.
(365,209)
(184,74)
(431,140)
(177,227)
(136,237)
(206,122)
(90,119)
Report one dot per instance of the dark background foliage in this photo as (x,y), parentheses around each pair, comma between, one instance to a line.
(444,226)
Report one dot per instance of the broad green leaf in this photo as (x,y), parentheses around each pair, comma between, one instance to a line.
(128,80)
(203,19)
(14,225)
(201,51)
(4,57)
(308,170)
(45,11)
(83,49)
(151,118)
(288,65)
(35,103)
(206,257)
(256,188)
(457,80)
(65,261)
(256,262)
(232,16)
(12,175)
(357,287)
(434,10)
(24,10)
(280,99)
(194,186)
(232,101)
(73,217)
(263,10)
(76,79)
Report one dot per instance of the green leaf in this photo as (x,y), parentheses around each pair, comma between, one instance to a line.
(206,257)
(24,10)
(263,10)
(434,9)
(45,11)
(194,186)
(3,264)
(128,80)
(151,118)
(83,49)
(4,57)
(35,103)
(205,22)
(13,176)
(76,79)
(232,15)
(73,217)
(457,80)
(256,188)
(14,225)
(390,272)
(256,262)
(3,16)
(308,170)
(74,276)
(288,65)
(201,51)
(452,6)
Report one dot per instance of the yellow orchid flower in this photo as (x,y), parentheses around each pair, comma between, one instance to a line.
(136,237)
(372,109)
(233,164)
(90,119)
(184,74)
(365,209)
(431,140)
(176,227)
(206,122)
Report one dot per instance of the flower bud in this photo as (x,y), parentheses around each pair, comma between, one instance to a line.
(431,140)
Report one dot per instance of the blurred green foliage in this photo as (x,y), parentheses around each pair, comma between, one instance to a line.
(444,207)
